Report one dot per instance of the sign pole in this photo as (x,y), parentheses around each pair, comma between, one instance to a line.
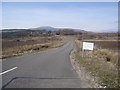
(87,46)
(82,52)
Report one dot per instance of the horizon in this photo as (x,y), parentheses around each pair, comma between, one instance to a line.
(78,15)
(62,28)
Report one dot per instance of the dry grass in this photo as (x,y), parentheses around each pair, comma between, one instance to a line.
(112,45)
(13,42)
(20,50)
(108,55)
(101,63)
(32,48)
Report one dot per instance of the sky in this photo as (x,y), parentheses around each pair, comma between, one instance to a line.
(90,16)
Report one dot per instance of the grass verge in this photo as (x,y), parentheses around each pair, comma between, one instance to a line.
(97,64)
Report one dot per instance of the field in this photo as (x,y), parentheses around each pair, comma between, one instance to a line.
(8,43)
(108,44)
(102,62)
(16,42)
(25,45)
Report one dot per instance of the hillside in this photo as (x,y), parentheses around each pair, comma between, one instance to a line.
(40,31)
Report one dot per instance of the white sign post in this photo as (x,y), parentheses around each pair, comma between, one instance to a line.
(88,46)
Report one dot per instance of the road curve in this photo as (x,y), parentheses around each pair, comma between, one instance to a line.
(48,69)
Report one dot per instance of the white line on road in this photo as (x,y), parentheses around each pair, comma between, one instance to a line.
(8,71)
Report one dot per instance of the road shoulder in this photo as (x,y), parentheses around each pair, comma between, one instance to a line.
(87,80)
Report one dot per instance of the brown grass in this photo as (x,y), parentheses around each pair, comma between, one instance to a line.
(101,63)
(26,48)
(112,45)
(8,43)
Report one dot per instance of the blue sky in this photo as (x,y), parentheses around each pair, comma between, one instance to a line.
(90,16)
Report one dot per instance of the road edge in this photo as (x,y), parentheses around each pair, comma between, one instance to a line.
(88,81)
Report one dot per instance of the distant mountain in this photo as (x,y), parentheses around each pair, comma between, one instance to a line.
(40,31)
(48,28)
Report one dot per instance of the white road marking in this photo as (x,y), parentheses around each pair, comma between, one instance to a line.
(8,71)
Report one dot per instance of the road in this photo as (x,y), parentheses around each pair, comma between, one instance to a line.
(48,69)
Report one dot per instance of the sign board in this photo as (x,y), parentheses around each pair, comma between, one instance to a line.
(88,46)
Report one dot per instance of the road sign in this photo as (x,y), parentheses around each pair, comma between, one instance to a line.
(88,46)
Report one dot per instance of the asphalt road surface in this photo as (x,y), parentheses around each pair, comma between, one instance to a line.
(48,69)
